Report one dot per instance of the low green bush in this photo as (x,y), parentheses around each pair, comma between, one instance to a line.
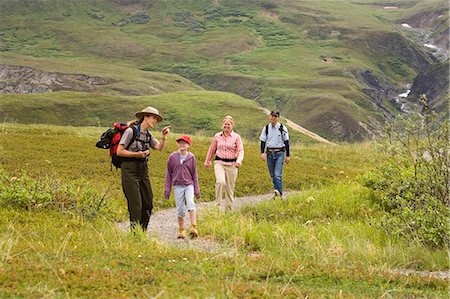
(80,197)
(412,184)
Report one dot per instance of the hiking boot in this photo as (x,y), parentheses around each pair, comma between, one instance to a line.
(181,233)
(193,232)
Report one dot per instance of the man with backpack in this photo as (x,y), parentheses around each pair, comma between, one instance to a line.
(275,150)
(133,150)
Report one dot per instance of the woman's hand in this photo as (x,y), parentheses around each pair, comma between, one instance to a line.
(165,131)
(144,154)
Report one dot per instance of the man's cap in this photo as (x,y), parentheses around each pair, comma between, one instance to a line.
(149,110)
(275,113)
(185,138)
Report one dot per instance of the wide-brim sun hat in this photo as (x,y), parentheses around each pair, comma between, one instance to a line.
(184,138)
(149,110)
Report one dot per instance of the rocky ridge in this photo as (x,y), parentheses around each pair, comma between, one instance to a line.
(16,79)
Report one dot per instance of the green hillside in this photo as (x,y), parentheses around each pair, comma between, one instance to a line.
(192,112)
(305,58)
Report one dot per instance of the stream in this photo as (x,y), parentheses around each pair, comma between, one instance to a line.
(401,99)
(440,53)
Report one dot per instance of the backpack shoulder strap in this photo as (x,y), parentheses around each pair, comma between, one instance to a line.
(267,130)
(282,131)
(136,130)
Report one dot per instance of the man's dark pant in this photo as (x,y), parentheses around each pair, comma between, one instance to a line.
(138,192)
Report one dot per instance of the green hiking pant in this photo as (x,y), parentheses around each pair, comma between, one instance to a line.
(138,192)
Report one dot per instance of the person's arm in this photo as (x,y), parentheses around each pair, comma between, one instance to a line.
(162,142)
(211,151)
(263,155)
(263,139)
(287,158)
(122,150)
(195,179)
(240,149)
(168,179)
(286,145)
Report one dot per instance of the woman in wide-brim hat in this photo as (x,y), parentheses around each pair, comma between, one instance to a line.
(134,149)
(149,111)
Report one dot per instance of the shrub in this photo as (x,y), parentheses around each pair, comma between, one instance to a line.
(188,20)
(46,193)
(412,184)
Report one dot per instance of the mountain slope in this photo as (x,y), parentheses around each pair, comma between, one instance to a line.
(430,83)
(304,58)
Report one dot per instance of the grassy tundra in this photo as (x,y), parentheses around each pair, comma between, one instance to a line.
(58,240)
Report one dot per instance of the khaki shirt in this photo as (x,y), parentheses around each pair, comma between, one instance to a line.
(137,146)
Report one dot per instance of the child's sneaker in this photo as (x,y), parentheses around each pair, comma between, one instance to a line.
(181,233)
(193,232)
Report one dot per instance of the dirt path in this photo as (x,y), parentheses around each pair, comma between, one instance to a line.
(302,130)
(163,225)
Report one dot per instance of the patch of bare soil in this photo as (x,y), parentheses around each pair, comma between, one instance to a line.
(270,15)
(444,275)
(16,79)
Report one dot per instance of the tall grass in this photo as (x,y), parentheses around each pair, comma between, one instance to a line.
(51,254)
(329,228)
(318,243)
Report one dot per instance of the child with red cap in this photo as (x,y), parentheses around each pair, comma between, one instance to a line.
(181,173)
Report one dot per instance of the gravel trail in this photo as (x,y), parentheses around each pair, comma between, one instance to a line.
(163,224)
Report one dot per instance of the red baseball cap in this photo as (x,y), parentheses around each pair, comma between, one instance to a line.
(185,138)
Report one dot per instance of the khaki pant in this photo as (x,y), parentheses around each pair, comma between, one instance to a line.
(225,181)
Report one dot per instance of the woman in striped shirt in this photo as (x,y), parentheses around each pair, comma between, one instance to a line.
(228,152)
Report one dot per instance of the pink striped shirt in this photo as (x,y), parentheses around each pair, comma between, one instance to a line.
(229,147)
